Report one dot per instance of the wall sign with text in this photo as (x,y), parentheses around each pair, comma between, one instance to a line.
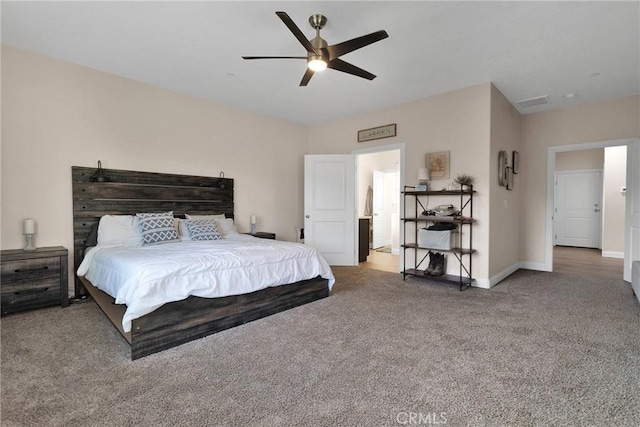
(379,132)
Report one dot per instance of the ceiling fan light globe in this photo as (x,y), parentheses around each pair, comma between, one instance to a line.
(317,64)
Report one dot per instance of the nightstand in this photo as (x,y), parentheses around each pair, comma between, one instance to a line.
(263,235)
(33,279)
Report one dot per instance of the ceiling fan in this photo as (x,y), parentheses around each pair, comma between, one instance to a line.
(320,55)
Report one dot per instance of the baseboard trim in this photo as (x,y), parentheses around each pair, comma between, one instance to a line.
(482,284)
(533,266)
(497,278)
(611,254)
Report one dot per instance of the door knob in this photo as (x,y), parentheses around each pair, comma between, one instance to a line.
(596,210)
(306,216)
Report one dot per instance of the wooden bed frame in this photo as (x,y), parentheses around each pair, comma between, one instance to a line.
(130,192)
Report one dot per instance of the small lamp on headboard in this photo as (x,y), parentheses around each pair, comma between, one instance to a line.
(423,178)
(99,175)
(29,229)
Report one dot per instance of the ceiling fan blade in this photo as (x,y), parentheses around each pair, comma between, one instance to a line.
(274,57)
(340,49)
(345,67)
(307,76)
(296,32)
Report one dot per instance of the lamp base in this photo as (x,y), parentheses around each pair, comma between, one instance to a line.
(28,243)
(422,187)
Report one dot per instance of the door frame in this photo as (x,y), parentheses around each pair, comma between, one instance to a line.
(600,201)
(551,166)
(378,149)
(377,219)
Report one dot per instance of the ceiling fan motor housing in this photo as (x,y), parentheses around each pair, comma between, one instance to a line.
(317,21)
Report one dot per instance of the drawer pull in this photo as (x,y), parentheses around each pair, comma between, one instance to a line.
(32,291)
(24,270)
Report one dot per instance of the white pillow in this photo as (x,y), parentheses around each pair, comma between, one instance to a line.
(183,231)
(119,230)
(226,226)
(220,216)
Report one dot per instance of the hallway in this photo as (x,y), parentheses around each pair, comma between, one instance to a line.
(381,261)
(581,261)
(586,261)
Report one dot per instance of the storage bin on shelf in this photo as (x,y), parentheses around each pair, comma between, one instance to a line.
(437,239)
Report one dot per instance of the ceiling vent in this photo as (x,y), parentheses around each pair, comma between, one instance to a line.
(532,102)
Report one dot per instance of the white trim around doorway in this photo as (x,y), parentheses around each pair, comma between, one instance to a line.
(379,149)
(551,166)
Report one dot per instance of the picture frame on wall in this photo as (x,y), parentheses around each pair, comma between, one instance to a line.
(509,178)
(515,162)
(438,164)
(502,168)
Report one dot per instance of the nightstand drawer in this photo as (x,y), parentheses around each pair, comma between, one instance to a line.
(33,279)
(29,270)
(26,295)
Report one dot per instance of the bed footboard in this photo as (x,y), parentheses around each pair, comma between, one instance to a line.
(183,321)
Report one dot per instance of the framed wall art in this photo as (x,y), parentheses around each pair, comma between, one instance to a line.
(379,132)
(438,164)
(515,161)
(502,168)
(509,178)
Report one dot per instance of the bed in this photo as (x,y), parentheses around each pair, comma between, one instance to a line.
(174,323)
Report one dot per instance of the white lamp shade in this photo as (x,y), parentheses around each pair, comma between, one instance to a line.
(29,226)
(423,174)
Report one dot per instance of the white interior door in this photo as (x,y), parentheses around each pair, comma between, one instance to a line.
(632,223)
(379,218)
(578,208)
(330,206)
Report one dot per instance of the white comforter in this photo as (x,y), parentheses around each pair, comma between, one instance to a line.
(146,277)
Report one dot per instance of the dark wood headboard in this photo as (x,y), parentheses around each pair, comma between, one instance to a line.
(130,192)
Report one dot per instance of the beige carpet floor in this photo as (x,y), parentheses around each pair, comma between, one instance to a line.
(539,349)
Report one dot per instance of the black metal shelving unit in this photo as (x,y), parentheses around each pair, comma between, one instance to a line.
(462,252)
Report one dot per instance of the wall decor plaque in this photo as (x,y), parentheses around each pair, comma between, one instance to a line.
(379,132)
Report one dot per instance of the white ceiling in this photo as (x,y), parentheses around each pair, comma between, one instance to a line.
(527,49)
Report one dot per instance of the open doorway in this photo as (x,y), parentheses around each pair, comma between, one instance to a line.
(378,205)
(589,211)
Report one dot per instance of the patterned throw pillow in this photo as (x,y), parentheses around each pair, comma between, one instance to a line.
(202,229)
(157,228)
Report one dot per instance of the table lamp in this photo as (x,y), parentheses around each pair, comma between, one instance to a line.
(29,230)
(253,224)
(423,178)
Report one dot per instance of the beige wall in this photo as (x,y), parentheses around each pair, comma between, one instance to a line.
(504,239)
(56,114)
(456,121)
(602,121)
(613,208)
(580,160)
